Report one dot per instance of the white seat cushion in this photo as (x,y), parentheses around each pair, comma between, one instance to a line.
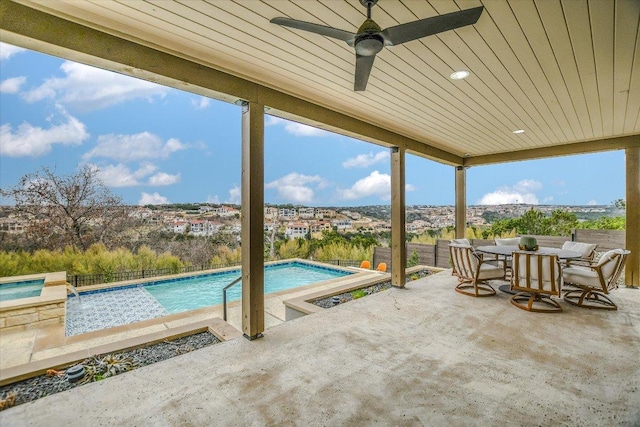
(511,241)
(581,275)
(585,249)
(460,242)
(490,271)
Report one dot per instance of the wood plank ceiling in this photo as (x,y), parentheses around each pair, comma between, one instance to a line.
(563,71)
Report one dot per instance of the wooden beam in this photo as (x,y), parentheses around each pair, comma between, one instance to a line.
(461,201)
(252,220)
(632,272)
(600,145)
(398,218)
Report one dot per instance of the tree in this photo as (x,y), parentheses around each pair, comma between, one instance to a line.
(562,222)
(414,259)
(619,204)
(75,210)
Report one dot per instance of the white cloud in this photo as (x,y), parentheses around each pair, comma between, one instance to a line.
(213,200)
(297,129)
(592,203)
(200,103)
(365,160)
(128,148)
(235,196)
(528,186)
(522,192)
(8,50)
(117,176)
(162,178)
(87,88)
(296,187)
(376,184)
(12,85)
(152,199)
(29,140)
(121,176)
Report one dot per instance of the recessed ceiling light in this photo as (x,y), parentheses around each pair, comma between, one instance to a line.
(519,131)
(459,75)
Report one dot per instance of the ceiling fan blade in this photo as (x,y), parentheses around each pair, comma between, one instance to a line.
(425,27)
(363,69)
(316,28)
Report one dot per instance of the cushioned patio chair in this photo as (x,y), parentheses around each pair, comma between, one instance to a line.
(587,252)
(594,283)
(365,264)
(536,278)
(509,241)
(473,273)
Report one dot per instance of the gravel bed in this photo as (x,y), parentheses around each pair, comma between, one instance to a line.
(332,301)
(102,366)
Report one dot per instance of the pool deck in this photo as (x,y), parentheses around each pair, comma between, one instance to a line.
(31,350)
(424,355)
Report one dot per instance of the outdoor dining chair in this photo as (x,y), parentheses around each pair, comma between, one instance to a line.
(536,278)
(507,241)
(594,283)
(473,272)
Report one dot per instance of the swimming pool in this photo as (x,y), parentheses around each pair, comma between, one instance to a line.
(21,289)
(133,303)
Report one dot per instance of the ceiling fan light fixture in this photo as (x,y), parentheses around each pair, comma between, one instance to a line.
(459,75)
(369,45)
(518,131)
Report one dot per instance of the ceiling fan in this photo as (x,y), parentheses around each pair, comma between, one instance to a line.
(370,38)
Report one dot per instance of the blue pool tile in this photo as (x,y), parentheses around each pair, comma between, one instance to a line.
(109,309)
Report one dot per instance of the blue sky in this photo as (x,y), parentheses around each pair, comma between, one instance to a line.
(153,144)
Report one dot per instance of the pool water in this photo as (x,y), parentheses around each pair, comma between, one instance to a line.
(133,303)
(23,289)
(207,290)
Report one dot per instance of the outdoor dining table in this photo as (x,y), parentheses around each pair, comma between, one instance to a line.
(506,251)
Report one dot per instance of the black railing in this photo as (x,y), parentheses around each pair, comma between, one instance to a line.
(79,280)
(343,262)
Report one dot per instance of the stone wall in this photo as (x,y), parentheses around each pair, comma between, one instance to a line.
(46,310)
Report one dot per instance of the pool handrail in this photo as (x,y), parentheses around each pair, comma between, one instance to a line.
(224,297)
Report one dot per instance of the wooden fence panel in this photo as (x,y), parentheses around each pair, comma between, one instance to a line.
(551,241)
(481,242)
(442,253)
(381,254)
(426,253)
(438,255)
(605,239)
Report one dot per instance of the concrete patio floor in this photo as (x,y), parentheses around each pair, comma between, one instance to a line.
(424,355)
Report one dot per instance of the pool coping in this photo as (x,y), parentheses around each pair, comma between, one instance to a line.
(51,290)
(302,305)
(216,326)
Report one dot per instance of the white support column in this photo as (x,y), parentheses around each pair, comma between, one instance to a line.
(252,220)
(461,201)
(398,218)
(632,162)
